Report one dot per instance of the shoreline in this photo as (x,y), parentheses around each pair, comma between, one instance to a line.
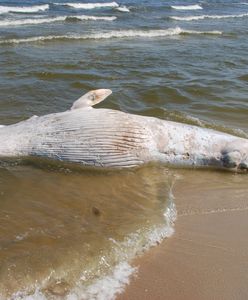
(207,256)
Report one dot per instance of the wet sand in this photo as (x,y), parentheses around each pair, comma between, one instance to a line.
(207,257)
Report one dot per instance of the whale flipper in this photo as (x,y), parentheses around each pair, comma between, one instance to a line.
(91,98)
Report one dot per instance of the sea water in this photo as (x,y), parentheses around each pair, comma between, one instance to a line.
(69,233)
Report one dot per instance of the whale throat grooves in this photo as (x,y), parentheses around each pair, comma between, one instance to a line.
(91,139)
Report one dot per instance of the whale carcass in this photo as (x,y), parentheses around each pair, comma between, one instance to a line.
(110,138)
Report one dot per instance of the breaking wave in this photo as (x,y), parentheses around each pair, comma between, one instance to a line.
(23,9)
(186,7)
(90,5)
(7,23)
(112,35)
(123,9)
(194,18)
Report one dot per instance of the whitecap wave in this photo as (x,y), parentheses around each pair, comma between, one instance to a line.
(9,23)
(90,5)
(113,34)
(186,7)
(202,17)
(123,9)
(93,18)
(23,9)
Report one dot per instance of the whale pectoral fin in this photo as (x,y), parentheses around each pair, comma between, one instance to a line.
(91,98)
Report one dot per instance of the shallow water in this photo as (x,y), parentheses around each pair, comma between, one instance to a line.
(62,229)
(189,64)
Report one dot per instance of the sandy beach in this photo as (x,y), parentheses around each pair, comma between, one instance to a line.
(207,256)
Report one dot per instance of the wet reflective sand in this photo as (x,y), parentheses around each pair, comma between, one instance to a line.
(207,256)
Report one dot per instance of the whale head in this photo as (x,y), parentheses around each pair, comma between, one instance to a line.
(235,156)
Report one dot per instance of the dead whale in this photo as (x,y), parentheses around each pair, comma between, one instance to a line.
(114,139)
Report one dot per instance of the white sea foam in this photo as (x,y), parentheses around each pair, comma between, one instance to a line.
(112,35)
(202,17)
(94,18)
(186,7)
(123,9)
(9,23)
(30,21)
(23,9)
(90,5)
(105,288)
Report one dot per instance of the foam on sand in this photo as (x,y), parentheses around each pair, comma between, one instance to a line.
(186,7)
(202,17)
(108,287)
(23,9)
(113,34)
(90,5)
(9,23)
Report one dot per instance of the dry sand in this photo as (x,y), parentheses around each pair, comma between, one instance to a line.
(207,257)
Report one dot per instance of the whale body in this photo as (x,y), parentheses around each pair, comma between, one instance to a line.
(114,139)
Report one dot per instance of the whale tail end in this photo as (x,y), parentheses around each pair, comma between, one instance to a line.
(91,98)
